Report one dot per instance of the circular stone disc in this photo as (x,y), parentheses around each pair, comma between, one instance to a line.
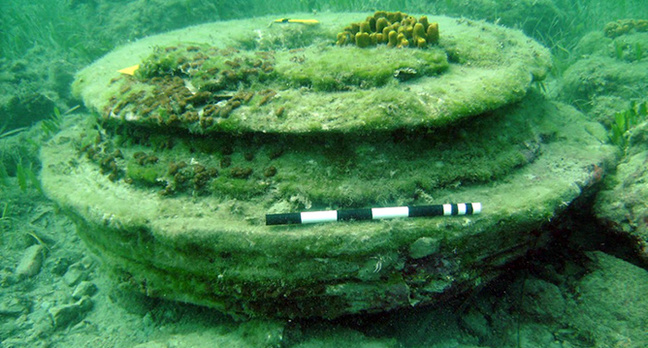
(215,250)
(293,78)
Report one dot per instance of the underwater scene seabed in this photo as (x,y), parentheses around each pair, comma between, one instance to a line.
(191,138)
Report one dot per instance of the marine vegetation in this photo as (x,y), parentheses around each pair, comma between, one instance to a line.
(52,125)
(4,215)
(26,176)
(624,121)
(395,29)
(9,133)
(3,174)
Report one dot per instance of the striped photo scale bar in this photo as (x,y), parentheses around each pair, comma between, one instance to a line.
(373,213)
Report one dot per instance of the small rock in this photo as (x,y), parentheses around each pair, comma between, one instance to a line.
(12,307)
(60,265)
(65,315)
(74,274)
(31,262)
(85,288)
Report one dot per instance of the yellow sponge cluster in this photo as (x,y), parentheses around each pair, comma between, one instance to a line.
(396,29)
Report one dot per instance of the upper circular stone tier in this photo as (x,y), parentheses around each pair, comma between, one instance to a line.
(244,76)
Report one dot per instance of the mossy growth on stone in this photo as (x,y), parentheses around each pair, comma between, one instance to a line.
(146,175)
(331,69)
(208,68)
(394,29)
(198,87)
(625,26)
(327,170)
(190,85)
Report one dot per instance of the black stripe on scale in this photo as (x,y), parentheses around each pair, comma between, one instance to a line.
(283,219)
(425,210)
(354,214)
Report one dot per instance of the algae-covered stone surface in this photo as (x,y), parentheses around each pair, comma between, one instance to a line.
(246,75)
(215,249)
(622,202)
(611,72)
(603,311)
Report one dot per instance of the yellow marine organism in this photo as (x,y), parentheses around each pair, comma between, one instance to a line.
(299,21)
(130,70)
(395,29)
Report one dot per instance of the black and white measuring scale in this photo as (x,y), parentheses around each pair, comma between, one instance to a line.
(311,217)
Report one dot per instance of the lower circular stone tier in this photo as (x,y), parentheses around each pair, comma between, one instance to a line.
(205,242)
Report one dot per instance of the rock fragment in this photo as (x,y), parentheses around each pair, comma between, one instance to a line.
(85,288)
(74,274)
(65,315)
(31,262)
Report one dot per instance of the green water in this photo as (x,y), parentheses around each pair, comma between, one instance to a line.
(568,294)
